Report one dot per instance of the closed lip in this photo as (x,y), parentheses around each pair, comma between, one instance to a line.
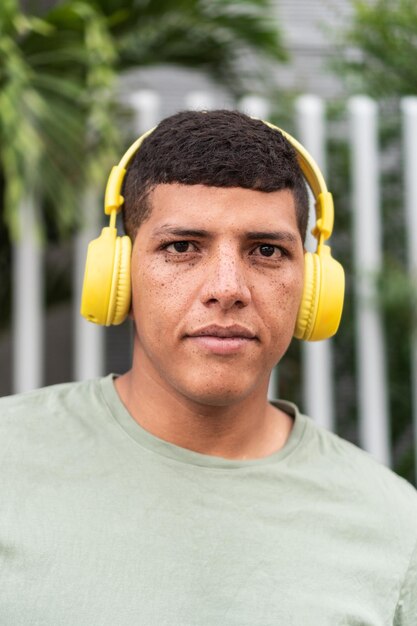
(224,332)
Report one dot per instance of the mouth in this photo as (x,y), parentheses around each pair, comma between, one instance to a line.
(222,339)
(224,332)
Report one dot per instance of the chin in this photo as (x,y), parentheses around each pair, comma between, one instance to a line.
(215,398)
(217,393)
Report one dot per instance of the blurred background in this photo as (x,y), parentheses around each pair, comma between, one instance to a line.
(79,81)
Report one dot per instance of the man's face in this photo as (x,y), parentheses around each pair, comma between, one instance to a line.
(217,276)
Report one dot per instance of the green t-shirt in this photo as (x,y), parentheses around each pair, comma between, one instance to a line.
(103,524)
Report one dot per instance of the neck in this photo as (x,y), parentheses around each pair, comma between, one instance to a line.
(248,429)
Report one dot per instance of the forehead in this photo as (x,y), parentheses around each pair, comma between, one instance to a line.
(220,209)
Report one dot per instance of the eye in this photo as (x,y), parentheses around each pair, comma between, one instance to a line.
(267,250)
(179,246)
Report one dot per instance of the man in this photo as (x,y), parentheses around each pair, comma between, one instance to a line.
(175,493)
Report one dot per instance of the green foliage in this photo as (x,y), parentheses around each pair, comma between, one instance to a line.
(51,112)
(58,83)
(396,297)
(378,52)
(214,35)
(384,36)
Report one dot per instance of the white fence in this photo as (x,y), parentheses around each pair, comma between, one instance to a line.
(317,358)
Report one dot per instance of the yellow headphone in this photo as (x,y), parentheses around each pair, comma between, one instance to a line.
(106,290)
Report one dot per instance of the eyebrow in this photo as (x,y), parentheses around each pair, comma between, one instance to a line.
(181,232)
(274,235)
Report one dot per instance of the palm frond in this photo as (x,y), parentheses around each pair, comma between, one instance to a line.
(58,73)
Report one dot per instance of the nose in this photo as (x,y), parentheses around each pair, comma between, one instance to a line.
(226,282)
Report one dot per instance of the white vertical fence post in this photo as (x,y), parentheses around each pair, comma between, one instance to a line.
(370,347)
(256,106)
(409,110)
(146,106)
(316,356)
(88,337)
(199,101)
(28,302)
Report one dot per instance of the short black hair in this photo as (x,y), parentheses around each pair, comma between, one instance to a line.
(216,148)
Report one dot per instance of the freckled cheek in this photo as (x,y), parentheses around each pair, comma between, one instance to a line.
(288,291)
(281,306)
(158,297)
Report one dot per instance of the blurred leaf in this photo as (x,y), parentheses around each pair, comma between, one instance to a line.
(58,73)
(378,49)
(398,296)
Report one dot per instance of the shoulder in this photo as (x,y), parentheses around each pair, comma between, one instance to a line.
(41,399)
(33,413)
(351,482)
(362,477)
(361,497)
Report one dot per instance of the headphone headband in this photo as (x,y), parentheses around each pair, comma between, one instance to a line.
(113,200)
(323,198)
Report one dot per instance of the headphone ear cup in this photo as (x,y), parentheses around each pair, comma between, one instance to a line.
(119,301)
(308,307)
(98,276)
(322,301)
(105,296)
(330,298)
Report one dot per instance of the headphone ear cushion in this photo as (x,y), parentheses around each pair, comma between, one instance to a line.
(119,301)
(98,277)
(322,301)
(330,297)
(309,300)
